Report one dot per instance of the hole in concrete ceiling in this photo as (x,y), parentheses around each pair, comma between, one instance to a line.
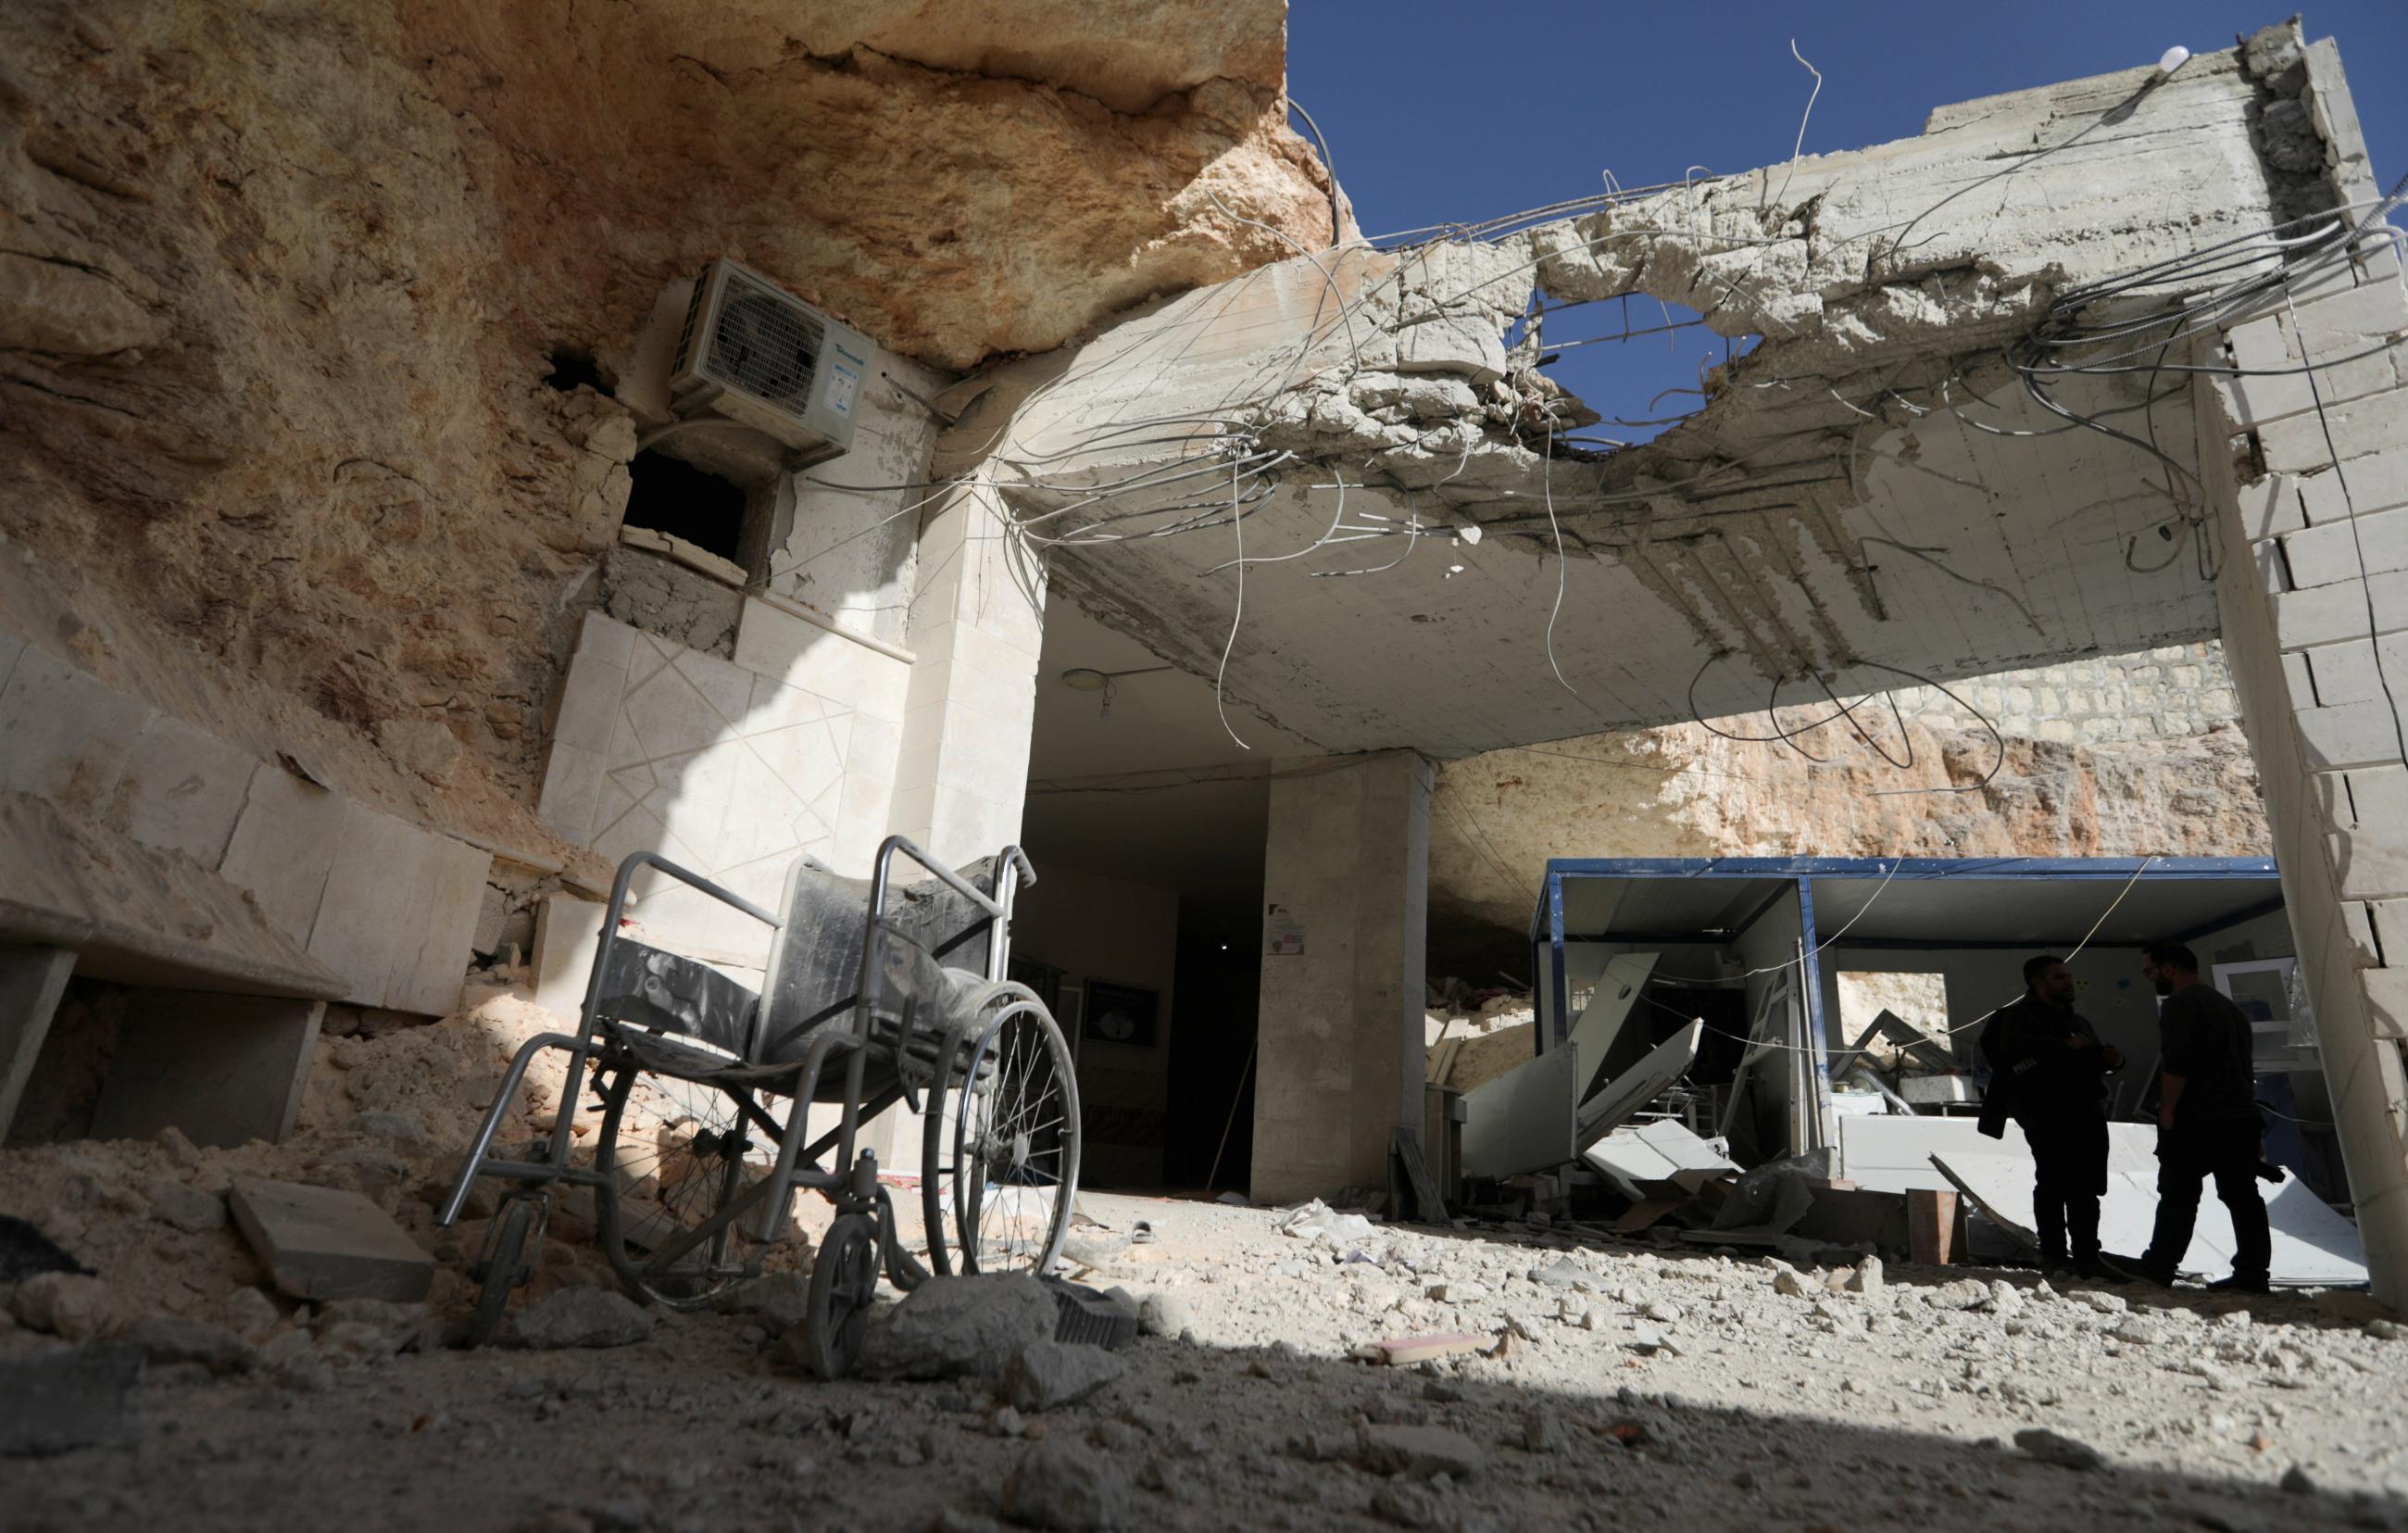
(574,367)
(671,495)
(1637,361)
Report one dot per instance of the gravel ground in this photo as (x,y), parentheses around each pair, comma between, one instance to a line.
(1621,1383)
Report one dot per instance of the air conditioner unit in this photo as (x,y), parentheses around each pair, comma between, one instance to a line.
(757,355)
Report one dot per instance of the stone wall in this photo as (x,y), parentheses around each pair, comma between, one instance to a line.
(2159,694)
(301,309)
(2116,756)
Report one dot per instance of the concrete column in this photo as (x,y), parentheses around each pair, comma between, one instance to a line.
(976,626)
(1339,1046)
(961,775)
(226,1069)
(31,979)
(2316,567)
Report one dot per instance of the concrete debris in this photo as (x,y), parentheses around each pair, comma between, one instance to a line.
(1866,1278)
(188,1209)
(1060,1485)
(381,1326)
(1418,1452)
(1317,1221)
(583,1317)
(1165,1315)
(322,1243)
(1045,1374)
(68,1305)
(959,1327)
(2054,1448)
(169,1339)
(58,1401)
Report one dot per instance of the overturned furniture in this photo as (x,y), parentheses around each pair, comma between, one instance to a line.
(706,1088)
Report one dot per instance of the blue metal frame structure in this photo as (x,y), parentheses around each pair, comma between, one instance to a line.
(1547,919)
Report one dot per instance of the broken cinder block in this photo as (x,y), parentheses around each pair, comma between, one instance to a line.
(320,1243)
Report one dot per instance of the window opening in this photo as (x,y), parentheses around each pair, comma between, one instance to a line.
(673,497)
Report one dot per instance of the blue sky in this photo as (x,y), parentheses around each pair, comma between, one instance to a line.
(1437,112)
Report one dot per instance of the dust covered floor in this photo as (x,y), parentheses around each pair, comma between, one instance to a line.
(1633,1386)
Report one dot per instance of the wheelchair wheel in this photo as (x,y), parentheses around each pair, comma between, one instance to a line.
(504,1266)
(1016,1149)
(676,1150)
(844,1281)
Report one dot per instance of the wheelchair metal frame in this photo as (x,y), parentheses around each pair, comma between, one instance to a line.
(851,1179)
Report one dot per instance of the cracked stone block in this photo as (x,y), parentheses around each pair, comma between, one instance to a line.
(320,1243)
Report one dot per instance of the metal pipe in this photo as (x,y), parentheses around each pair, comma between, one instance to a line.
(484,1139)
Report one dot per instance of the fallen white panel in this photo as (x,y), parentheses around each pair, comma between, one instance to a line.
(2313,1246)
(1892,1154)
(1619,1099)
(1609,1006)
(1663,1151)
(1521,1121)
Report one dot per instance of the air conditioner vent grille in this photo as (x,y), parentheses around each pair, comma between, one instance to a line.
(765,343)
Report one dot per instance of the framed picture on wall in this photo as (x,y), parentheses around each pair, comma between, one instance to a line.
(1120,1013)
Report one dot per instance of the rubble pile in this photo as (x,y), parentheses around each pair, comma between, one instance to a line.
(1531,1378)
(386,1116)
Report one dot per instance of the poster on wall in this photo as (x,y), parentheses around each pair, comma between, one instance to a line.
(1120,1013)
(1282,933)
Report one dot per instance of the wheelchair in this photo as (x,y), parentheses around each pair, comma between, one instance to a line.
(705,1090)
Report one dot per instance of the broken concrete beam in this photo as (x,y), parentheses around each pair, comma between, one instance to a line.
(55,1402)
(320,1243)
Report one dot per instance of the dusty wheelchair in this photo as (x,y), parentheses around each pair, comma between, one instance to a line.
(706,1092)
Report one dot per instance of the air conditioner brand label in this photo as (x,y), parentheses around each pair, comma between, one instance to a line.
(844,380)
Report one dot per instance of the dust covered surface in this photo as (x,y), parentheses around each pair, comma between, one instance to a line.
(1621,1384)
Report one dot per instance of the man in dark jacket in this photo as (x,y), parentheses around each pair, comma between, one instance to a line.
(2207,1120)
(2050,1065)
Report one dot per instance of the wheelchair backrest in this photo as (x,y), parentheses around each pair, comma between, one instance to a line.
(814,974)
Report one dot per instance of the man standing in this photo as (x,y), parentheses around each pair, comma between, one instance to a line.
(2048,1071)
(2207,1121)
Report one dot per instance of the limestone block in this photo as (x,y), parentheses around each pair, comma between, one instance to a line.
(283,846)
(63,735)
(184,789)
(320,1243)
(2372,544)
(2387,920)
(2333,614)
(2254,400)
(2373,483)
(2298,443)
(2345,673)
(2350,735)
(224,1070)
(398,912)
(2387,1003)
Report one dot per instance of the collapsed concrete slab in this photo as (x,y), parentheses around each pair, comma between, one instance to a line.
(1873,489)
